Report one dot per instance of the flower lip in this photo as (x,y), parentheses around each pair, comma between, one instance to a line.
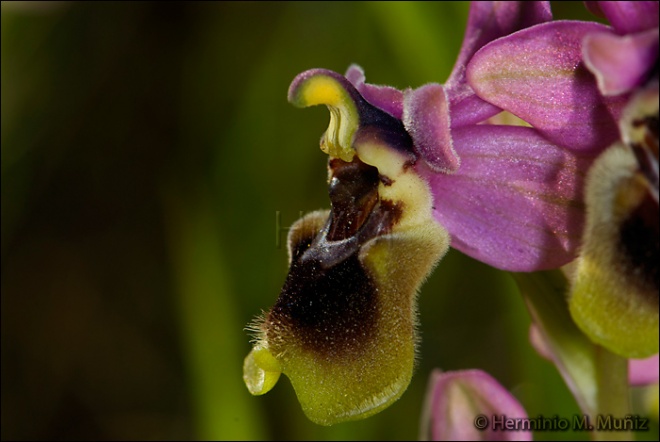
(343,327)
(614,296)
(327,319)
(333,318)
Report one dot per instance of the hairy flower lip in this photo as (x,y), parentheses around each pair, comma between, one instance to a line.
(327,320)
(343,327)
(614,295)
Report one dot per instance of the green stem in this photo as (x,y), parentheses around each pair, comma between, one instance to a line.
(597,378)
(613,398)
(211,332)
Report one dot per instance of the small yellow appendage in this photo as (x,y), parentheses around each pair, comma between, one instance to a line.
(261,371)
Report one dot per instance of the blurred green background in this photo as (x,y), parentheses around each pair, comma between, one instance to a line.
(147,150)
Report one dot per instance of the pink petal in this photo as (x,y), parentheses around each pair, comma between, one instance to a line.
(355,74)
(620,63)
(643,371)
(491,20)
(470,109)
(516,201)
(426,119)
(385,98)
(538,75)
(487,21)
(630,16)
(458,402)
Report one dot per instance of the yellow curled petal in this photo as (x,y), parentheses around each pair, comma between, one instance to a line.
(321,86)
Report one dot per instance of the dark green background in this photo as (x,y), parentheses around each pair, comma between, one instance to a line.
(147,149)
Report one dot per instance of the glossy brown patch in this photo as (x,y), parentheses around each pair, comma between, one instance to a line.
(353,193)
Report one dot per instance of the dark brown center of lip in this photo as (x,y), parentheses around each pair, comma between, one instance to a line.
(639,233)
(639,242)
(330,301)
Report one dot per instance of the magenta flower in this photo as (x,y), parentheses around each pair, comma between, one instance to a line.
(343,327)
(409,171)
(472,405)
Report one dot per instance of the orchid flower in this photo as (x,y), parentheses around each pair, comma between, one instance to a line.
(343,327)
(614,298)
(472,405)
(408,172)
